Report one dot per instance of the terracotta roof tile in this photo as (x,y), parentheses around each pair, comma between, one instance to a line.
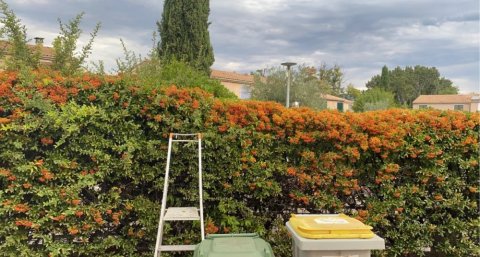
(443,99)
(47,52)
(232,77)
(335,98)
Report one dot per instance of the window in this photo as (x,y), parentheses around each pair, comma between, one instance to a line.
(458,107)
(340,106)
(422,106)
(245,92)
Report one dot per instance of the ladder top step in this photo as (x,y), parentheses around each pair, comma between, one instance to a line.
(186,135)
(184,140)
(182,213)
(179,248)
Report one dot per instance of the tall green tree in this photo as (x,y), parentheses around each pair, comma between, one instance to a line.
(352,93)
(306,88)
(333,77)
(66,59)
(16,53)
(184,33)
(408,83)
(374,99)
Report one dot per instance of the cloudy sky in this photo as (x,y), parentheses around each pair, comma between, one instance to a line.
(359,35)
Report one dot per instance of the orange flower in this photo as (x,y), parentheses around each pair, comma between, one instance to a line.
(21,208)
(5,173)
(46,141)
(210,228)
(4,120)
(73,231)
(79,213)
(195,104)
(116,96)
(348,173)
(363,213)
(392,168)
(58,218)
(47,175)
(291,171)
(92,98)
(24,223)
(157,118)
(39,162)
(397,194)
(86,227)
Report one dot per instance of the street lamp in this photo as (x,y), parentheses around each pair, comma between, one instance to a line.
(289,75)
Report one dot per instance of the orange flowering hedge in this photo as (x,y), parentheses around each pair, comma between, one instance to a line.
(82,162)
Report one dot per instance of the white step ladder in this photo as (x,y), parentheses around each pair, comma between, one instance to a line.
(180,213)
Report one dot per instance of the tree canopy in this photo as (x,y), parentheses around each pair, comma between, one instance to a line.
(374,99)
(306,87)
(184,33)
(408,83)
(66,60)
(20,55)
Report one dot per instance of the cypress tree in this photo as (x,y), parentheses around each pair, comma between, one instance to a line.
(184,33)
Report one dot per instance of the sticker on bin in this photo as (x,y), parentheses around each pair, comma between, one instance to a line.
(331,221)
(329,226)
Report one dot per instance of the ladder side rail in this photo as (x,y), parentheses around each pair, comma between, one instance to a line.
(164,199)
(200,184)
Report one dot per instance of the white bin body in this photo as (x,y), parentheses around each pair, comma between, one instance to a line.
(304,247)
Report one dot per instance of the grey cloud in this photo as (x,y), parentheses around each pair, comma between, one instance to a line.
(360,36)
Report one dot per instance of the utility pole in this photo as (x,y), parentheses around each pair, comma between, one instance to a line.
(289,75)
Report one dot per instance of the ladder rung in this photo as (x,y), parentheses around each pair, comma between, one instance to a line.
(180,248)
(183,140)
(182,213)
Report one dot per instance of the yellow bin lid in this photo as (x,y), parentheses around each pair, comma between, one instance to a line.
(329,226)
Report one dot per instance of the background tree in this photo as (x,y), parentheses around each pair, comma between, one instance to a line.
(374,99)
(66,60)
(184,33)
(20,55)
(408,83)
(352,93)
(333,77)
(306,88)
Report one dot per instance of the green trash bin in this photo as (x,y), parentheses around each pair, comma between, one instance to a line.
(233,245)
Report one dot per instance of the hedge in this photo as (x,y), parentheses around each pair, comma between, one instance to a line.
(82,162)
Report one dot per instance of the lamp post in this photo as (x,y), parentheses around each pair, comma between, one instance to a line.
(289,75)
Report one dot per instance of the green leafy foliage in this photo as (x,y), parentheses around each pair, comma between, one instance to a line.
(374,99)
(17,52)
(408,83)
(152,73)
(184,34)
(66,60)
(306,88)
(82,162)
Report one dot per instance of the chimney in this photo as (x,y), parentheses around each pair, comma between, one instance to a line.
(39,40)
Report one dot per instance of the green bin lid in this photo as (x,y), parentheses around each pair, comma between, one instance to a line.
(233,245)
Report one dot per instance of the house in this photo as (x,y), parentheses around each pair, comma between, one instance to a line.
(468,103)
(239,84)
(337,103)
(46,52)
